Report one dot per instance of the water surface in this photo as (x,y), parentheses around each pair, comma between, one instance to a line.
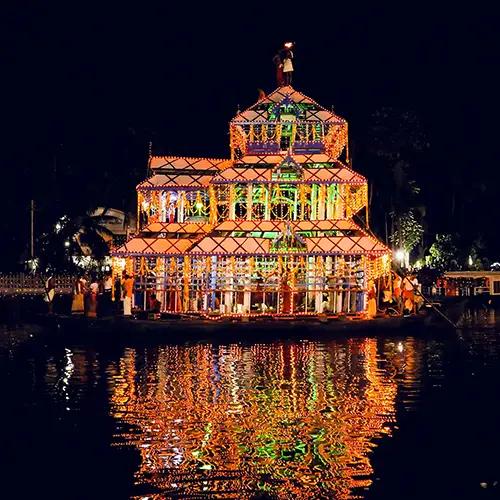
(405,417)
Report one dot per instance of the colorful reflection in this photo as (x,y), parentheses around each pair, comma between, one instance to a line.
(286,419)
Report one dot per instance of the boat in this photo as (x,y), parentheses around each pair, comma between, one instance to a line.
(239,329)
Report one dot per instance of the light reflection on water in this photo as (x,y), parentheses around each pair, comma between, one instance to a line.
(293,419)
(347,418)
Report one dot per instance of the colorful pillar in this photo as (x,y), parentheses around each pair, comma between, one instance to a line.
(249,201)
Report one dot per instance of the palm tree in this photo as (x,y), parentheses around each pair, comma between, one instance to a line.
(74,238)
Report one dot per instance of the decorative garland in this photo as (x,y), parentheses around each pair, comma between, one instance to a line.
(213,205)
(187,274)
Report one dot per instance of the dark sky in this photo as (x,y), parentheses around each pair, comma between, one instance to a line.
(86,86)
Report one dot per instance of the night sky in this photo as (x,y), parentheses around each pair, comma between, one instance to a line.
(86,87)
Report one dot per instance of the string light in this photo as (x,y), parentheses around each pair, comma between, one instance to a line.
(284,166)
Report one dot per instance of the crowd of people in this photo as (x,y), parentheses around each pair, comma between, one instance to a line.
(92,294)
(401,294)
(98,296)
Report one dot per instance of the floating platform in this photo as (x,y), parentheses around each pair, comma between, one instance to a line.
(233,329)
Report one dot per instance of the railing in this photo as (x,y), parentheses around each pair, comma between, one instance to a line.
(32,284)
(455,291)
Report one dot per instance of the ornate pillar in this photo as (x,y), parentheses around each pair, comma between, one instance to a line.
(140,200)
(295,203)
(232,201)
(249,201)
(340,203)
(212,205)
(330,202)
(314,202)
(321,201)
(318,281)
(267,212)
(186,282)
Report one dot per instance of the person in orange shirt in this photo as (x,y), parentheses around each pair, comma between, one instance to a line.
(396,290)
(372,300)
(128,290)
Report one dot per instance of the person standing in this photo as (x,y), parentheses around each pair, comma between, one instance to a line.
(418,300)
(118,294)
(396,290)
(279,69)
(77,303)
(128,289)
(408,294)
(50,292)
(372,300)
(107,290)
(287,57)
(92,298)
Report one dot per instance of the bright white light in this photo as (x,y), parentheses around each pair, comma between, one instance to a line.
(400,255)
(470,260)
(58,227)
(66,243)
(400,346)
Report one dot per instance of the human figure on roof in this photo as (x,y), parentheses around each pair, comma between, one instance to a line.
(287,56)
(279,68)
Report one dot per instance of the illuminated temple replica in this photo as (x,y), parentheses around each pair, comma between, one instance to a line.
(272,230)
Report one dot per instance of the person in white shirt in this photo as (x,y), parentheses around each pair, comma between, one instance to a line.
(107,295)
(287,57)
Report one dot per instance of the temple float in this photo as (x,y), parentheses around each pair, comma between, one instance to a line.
(273,230)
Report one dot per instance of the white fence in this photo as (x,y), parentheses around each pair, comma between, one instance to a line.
(32,284)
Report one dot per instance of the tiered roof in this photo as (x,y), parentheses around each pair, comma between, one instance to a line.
(276,113)
(258,112)
(176,171)
(238,237)
(173,180)
(262,173)
(180,163)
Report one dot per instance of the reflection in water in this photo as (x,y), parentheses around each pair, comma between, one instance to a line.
(289,419)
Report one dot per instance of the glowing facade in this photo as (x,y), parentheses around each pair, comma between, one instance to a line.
(270,230)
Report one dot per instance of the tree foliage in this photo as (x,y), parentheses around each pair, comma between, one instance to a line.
(74,240)
(443,253)
(409,231)
(396,141)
